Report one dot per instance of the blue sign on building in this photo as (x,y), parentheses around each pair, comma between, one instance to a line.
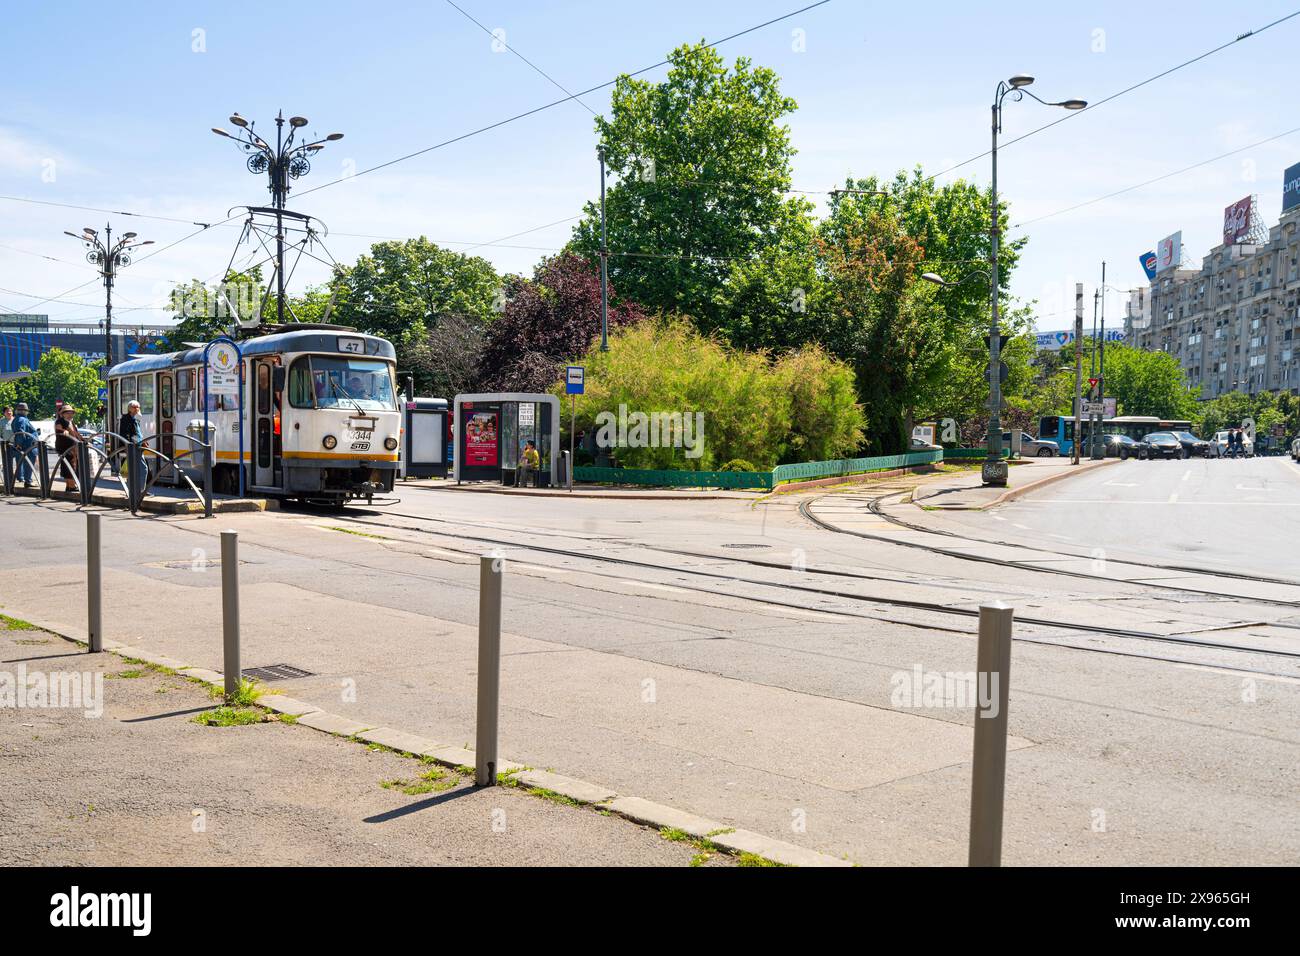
(1291,188)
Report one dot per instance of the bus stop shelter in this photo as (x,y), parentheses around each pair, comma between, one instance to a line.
(492,428)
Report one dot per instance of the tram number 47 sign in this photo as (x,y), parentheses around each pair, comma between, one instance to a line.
(575,380)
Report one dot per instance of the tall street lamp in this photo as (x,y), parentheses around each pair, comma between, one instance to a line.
(109,257)
(994,470)
(285,161)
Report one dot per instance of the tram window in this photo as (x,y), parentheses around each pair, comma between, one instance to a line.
(364,384)
(300,385)
(144,393)
(165,398)
(185,381)
(263,389)
(127,393)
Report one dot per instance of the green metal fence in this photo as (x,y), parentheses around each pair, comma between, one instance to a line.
(767,480)
(674,479)
(807,470)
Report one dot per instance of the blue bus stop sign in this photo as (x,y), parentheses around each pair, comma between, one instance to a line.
(574,380)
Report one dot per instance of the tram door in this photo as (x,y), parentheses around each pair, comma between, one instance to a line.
(266,421)
(167,425)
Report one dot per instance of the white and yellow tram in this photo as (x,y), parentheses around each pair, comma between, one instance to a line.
(320,417)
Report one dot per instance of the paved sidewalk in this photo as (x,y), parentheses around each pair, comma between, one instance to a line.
(962,491)
(143,784)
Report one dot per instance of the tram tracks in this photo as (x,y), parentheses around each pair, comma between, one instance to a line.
(810,591)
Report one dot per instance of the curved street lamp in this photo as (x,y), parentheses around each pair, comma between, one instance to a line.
(108,256)
(994,469)
(286,161)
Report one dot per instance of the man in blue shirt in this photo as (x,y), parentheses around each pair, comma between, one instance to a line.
(26,439)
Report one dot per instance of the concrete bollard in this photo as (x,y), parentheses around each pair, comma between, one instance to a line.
(94,586)
(230,610)
(491,568)
(989,770)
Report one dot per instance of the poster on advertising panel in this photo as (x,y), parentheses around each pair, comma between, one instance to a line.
(1291,188)
(481,439)
(1169,253)
(1236,221)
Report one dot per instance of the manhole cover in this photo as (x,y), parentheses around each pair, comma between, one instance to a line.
(273,672)
(747,546)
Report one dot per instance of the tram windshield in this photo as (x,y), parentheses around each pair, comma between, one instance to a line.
(328,382)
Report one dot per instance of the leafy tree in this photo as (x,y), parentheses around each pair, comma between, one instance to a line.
(8,393)
(203,312)
(703,161)
(1148,383)
(445,360)
(61,376)
(776,300)
(398,288)
(547,320)
(884,322)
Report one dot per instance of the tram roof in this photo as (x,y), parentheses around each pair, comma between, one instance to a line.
(307,340)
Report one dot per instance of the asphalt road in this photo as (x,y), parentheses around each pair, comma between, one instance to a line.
(642,656)
(1230,514)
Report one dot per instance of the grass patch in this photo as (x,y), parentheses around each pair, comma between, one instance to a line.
(552,796)
(288,718)
(245,696)
(705,849)
(29,641)
(753,859)
(127,674)
(433,780)
(229,717)
(14,624)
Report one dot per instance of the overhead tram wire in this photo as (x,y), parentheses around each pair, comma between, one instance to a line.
(537,69)
(1157,179)
(1129,89)
(546,106)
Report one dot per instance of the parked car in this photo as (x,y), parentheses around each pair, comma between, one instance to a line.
(1124,447)
(1295,448)
(1193,445)
(1164,445)
(1033,447)
(1219,445)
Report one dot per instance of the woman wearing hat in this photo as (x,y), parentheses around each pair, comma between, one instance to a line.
(67,439)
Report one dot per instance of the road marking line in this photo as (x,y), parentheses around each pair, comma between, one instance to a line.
(1186,475)
(1121,484)
(1244,488)
(1173,499)
(657,587)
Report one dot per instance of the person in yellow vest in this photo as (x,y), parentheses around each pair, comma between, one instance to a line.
(531,462)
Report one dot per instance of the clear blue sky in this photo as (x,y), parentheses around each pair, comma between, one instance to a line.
(115,101)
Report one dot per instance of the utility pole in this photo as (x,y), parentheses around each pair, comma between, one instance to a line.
(1099,301)
(604,262)
(1078,372)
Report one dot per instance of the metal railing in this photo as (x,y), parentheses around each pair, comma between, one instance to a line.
(113,451)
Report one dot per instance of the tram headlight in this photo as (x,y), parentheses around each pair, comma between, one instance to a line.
(390,443)
(329,441)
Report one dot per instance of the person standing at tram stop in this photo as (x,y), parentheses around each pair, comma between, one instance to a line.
(67,439)
(531,462)
(26,439)
(129,428)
